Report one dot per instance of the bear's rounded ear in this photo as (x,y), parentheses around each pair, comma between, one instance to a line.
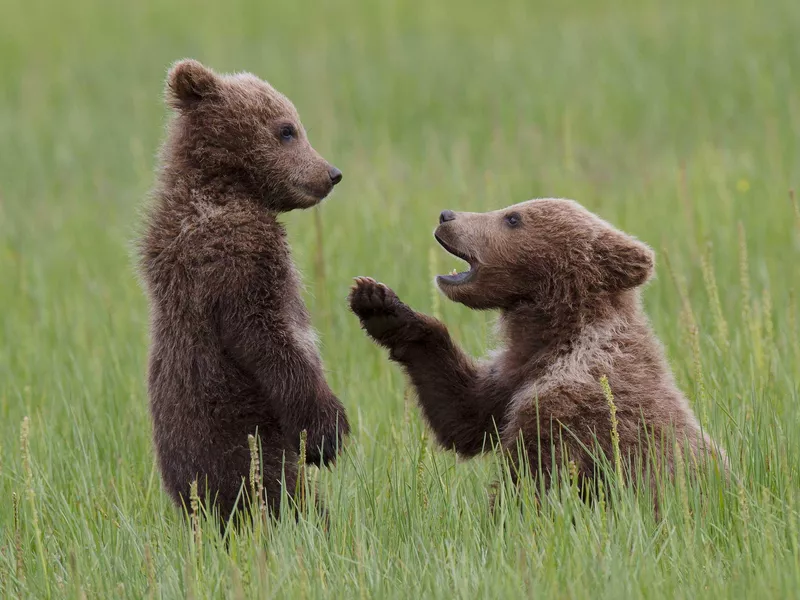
(625,262)
(189,82)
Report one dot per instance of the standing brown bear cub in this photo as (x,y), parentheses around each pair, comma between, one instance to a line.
(566,285)
(232,351)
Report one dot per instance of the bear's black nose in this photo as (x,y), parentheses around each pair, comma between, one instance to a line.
(335,174)
(447,215)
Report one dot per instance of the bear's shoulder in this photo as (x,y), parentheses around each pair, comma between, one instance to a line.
(223,246)
(247,233)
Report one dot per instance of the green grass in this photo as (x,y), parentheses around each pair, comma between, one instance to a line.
(678,121)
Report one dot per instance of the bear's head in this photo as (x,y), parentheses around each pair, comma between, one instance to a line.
(549,252)
(239,131)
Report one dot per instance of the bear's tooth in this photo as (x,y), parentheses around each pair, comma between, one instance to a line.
(454,272)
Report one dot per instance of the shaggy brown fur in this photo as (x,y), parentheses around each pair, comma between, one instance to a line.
(232,349)
(566,284)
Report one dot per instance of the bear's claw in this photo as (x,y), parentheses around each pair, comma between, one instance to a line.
(370,298)
(380,311)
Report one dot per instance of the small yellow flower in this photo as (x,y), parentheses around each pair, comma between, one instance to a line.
(742,186)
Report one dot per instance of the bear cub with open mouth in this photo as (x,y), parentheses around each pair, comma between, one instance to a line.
(566,284)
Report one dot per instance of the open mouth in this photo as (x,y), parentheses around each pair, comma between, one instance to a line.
(456,277)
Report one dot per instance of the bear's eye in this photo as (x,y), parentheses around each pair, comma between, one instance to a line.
(287,133)
(513,220)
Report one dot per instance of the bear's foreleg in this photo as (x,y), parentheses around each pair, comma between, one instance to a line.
(464,412)
(290,378)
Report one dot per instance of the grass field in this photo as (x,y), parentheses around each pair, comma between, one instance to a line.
(677,121)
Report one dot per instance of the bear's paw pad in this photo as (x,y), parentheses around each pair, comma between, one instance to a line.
(369,298)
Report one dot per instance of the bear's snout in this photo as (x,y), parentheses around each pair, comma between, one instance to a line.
(335,175)
(447,215)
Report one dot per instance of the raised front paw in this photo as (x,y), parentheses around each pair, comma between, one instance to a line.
(384,317)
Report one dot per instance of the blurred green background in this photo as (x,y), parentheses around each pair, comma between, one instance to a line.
(677,121)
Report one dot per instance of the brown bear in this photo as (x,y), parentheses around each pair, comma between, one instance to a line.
(566,284)
(232,351)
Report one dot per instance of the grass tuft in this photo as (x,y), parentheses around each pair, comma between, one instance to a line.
(612,408)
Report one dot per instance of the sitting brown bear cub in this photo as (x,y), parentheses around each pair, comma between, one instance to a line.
(566,283)
(232,351)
